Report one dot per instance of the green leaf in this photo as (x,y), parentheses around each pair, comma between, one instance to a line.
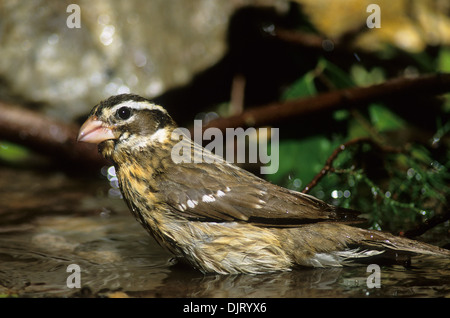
(302,159)
(443,60)
(384,119)
(338,77)
(304,86)
(341,114)
(12,152)
(363,77)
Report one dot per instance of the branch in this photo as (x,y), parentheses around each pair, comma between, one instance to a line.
(329,163)
(425,85)
(306,40)
(46,136)
(328,167)
(427,225)
(58,140)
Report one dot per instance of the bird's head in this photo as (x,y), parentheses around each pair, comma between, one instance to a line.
(126,122)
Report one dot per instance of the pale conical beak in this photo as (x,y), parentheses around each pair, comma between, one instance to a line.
(95,131)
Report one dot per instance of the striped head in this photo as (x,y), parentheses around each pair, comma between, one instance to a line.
(126,122)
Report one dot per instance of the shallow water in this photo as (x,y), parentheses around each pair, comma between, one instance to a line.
(49,221)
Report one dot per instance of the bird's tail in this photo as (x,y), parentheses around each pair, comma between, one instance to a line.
(334,244)
(386,241)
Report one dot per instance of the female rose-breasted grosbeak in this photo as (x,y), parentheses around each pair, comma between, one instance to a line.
(221,218)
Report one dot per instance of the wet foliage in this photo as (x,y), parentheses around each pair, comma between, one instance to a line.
(400,180)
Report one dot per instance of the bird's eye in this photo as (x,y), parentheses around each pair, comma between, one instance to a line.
(123,113)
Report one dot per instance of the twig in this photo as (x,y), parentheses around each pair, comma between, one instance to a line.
(304,39)
(57,140)
(46,136)
(427,225)
(425,85)
(237,94)
(328,167)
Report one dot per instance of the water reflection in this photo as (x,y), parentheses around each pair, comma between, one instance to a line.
(48,222)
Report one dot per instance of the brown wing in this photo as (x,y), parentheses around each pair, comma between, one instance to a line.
(224,192)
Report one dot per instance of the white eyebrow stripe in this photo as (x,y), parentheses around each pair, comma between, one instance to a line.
(139,106)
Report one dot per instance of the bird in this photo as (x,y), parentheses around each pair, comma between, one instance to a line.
(219,217)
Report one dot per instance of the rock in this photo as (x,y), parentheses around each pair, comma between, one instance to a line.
(141,46)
